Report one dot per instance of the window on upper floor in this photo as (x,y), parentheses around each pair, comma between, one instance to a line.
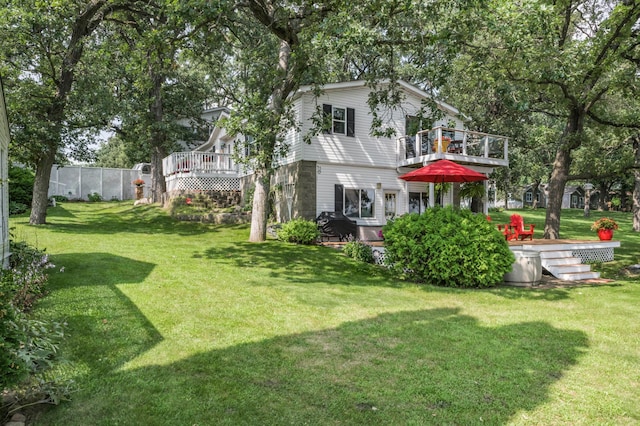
(249,145)
(339,120)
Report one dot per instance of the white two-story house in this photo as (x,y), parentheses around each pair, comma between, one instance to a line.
(345,168)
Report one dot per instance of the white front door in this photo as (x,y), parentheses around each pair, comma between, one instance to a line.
(390,205)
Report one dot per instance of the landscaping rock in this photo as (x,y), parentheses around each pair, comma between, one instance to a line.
(17,420)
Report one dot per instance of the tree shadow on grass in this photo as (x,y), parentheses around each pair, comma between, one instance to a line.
(429,366)
(299,264)
(108,328)
(116,218)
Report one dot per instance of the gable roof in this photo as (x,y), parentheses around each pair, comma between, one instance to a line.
(222,112)
(408,87)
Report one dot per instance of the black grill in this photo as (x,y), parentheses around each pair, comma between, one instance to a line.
(336,225)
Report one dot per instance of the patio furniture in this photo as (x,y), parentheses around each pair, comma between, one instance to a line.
(336,225)
(520,228)
(507,231)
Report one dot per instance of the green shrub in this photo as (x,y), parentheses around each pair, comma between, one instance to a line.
(94,197)
(21,185)
(299,231)
(447,247)
(358,251)
(60,198)
(17,208)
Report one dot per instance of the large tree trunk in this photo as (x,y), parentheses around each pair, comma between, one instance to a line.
(158,135)
(534,193)
(560,174)
(636,187)
(557,183)
(83,26)
(158,183)
(260,207)
(264,170)
(40,199)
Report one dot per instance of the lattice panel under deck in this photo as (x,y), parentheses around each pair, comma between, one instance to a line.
(192,183)
(585,255)
(378,255)
(594,255)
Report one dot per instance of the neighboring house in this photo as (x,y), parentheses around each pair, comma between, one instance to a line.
(4,178)
(345,168)
(573,197)
(541,196)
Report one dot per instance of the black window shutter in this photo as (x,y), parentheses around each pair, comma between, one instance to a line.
(327,117)
(351,122)
(339,198)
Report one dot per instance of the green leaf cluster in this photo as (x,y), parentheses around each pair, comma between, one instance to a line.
(447,247)
(299,231)
(358,251)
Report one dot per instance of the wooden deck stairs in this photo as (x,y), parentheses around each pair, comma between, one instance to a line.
(569,260)
(563,265)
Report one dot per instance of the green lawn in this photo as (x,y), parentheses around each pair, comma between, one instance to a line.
(188,324)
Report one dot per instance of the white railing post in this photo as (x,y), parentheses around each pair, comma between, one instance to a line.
(486,146)
(506,149)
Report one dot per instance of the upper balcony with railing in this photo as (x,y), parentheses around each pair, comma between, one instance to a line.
(199,163)
(452,144)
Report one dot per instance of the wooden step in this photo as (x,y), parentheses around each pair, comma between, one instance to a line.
(577,276)
(568,269)
(546,254)
(552,261)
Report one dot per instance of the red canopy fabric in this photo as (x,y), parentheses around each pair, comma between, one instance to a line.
(443,171)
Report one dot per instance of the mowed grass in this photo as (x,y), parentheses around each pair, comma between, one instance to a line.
(189,324)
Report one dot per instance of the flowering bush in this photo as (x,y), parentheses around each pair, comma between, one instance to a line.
(26,345)
(25,279)
(604,223)
(138,182)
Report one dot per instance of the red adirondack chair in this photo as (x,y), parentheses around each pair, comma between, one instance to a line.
(507,231)
(519,227)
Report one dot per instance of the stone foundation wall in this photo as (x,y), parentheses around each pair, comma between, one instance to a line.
(218,199)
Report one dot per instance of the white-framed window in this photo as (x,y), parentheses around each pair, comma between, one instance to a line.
(528,197)
(359,203)
(339,120)
(418,202)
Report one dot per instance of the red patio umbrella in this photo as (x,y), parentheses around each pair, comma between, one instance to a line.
(443,171)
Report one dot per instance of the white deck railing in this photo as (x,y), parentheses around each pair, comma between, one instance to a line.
(442,140)
(199,162)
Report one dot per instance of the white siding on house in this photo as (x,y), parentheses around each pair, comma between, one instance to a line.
(354,177)
(363,149)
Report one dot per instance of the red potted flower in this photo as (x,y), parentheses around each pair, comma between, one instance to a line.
(604,227)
